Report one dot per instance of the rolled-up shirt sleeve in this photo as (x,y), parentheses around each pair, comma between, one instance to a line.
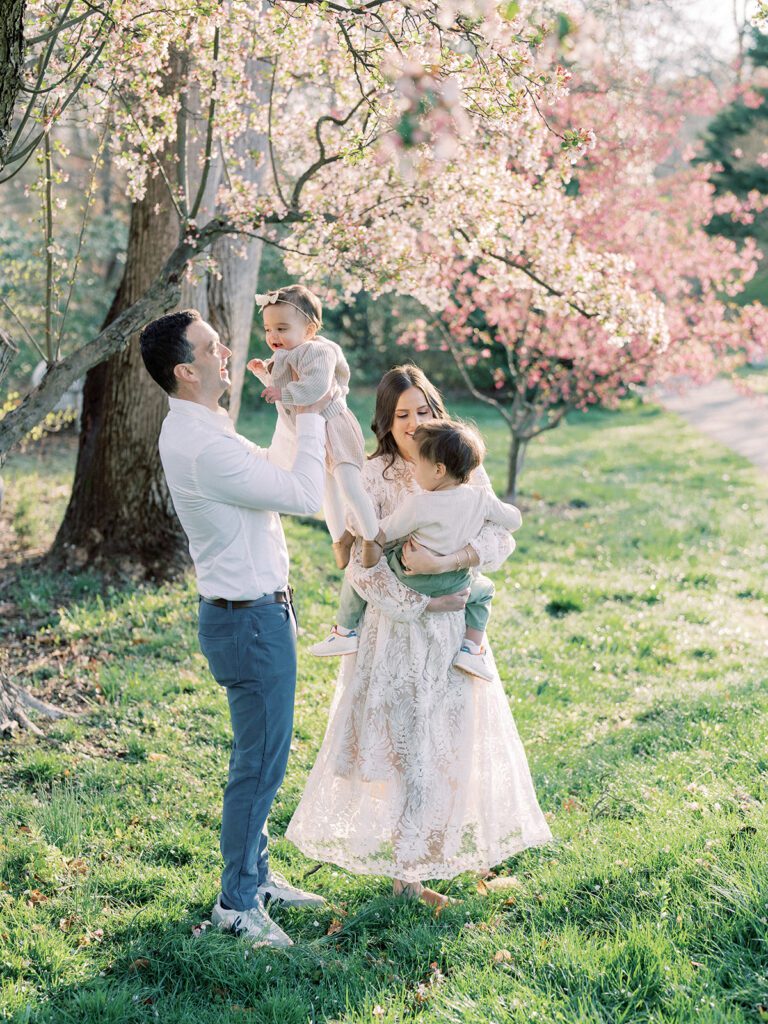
(228,471)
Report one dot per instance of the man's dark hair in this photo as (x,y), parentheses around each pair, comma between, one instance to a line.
(457,445)
(164,345)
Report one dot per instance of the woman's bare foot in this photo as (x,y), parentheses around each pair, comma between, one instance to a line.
(408,890)
(433,899)
(417,891)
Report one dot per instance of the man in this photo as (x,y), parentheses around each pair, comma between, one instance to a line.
(227,494)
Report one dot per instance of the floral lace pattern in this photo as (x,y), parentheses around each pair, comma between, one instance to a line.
(421,773)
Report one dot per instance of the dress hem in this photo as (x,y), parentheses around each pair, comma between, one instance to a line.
(422,871)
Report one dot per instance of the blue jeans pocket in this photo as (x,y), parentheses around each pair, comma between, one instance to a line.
(221,652)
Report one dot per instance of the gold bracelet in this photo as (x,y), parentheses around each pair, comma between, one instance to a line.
(458,563)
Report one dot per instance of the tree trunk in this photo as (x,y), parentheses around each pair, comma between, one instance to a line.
(230,306)
(120,513)
(11,62)
(517,449)
(231,293)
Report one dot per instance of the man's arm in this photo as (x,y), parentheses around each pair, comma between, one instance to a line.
(282,447)
(227,471)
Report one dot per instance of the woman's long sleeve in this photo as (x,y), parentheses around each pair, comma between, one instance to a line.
(383,590)
(378,585)
(493,543)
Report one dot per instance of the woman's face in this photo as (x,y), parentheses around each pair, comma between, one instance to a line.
(411,410)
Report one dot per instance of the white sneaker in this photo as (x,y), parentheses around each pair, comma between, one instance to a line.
(255,923)
(280,890)
(473,664)
(336,643)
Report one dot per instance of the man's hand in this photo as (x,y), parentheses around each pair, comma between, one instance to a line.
(317,406)
(449,602)
(271,394)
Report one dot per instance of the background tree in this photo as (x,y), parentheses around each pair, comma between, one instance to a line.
(534,359)
(351,193)
(113,514)
(735,146)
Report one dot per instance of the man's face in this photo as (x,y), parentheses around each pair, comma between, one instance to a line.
(210,361)
(286,327)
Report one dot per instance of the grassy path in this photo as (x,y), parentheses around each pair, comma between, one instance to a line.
(631,627)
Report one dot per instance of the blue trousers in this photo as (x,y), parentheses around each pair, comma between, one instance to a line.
(251,653)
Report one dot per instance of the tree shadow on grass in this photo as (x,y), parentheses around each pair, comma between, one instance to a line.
(383,951)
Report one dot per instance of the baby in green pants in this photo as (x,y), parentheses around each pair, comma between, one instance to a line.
(444,516)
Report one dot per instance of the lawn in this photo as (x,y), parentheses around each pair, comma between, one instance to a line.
(631,630)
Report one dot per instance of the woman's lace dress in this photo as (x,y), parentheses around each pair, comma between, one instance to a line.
(421,773)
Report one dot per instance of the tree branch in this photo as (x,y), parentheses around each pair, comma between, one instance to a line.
(275,178)
(209,133)
(162,295)
(323,160)
(8,352)
(465,374)
(23,326)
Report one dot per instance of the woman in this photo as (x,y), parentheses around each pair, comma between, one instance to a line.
(421,773)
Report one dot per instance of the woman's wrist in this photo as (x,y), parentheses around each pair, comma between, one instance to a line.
(462,558)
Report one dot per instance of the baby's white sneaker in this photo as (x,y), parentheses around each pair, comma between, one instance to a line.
(473,659)
(339,641)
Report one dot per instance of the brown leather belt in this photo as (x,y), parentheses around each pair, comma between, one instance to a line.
(279,597)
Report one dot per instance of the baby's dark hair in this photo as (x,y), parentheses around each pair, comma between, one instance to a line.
(456,444)
(303,299)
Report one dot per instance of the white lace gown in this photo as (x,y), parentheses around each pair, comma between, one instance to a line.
(421,773)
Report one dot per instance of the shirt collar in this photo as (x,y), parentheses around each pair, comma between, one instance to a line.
(219,419)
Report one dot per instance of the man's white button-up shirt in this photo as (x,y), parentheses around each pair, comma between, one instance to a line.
(228,492)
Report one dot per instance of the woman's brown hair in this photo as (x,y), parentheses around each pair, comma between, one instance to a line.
(391,386)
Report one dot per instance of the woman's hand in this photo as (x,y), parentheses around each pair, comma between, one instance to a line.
(449,602)
(418,559)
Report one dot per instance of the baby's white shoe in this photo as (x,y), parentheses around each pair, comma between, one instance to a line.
(336,643)
(473,662)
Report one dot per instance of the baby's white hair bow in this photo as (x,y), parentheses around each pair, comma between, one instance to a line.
(267,299)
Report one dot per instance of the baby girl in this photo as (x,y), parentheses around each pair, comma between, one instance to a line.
(303,369)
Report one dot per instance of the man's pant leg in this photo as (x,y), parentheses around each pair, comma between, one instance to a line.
(252,653)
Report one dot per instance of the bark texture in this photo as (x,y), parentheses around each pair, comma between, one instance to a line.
(11,60)
(515,458)
(120,513)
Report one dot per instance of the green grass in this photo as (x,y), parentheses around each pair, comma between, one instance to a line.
(630,629)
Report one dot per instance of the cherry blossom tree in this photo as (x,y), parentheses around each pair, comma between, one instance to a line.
(389,146)
(533,357)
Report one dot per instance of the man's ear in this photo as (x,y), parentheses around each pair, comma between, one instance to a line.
(184,372)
